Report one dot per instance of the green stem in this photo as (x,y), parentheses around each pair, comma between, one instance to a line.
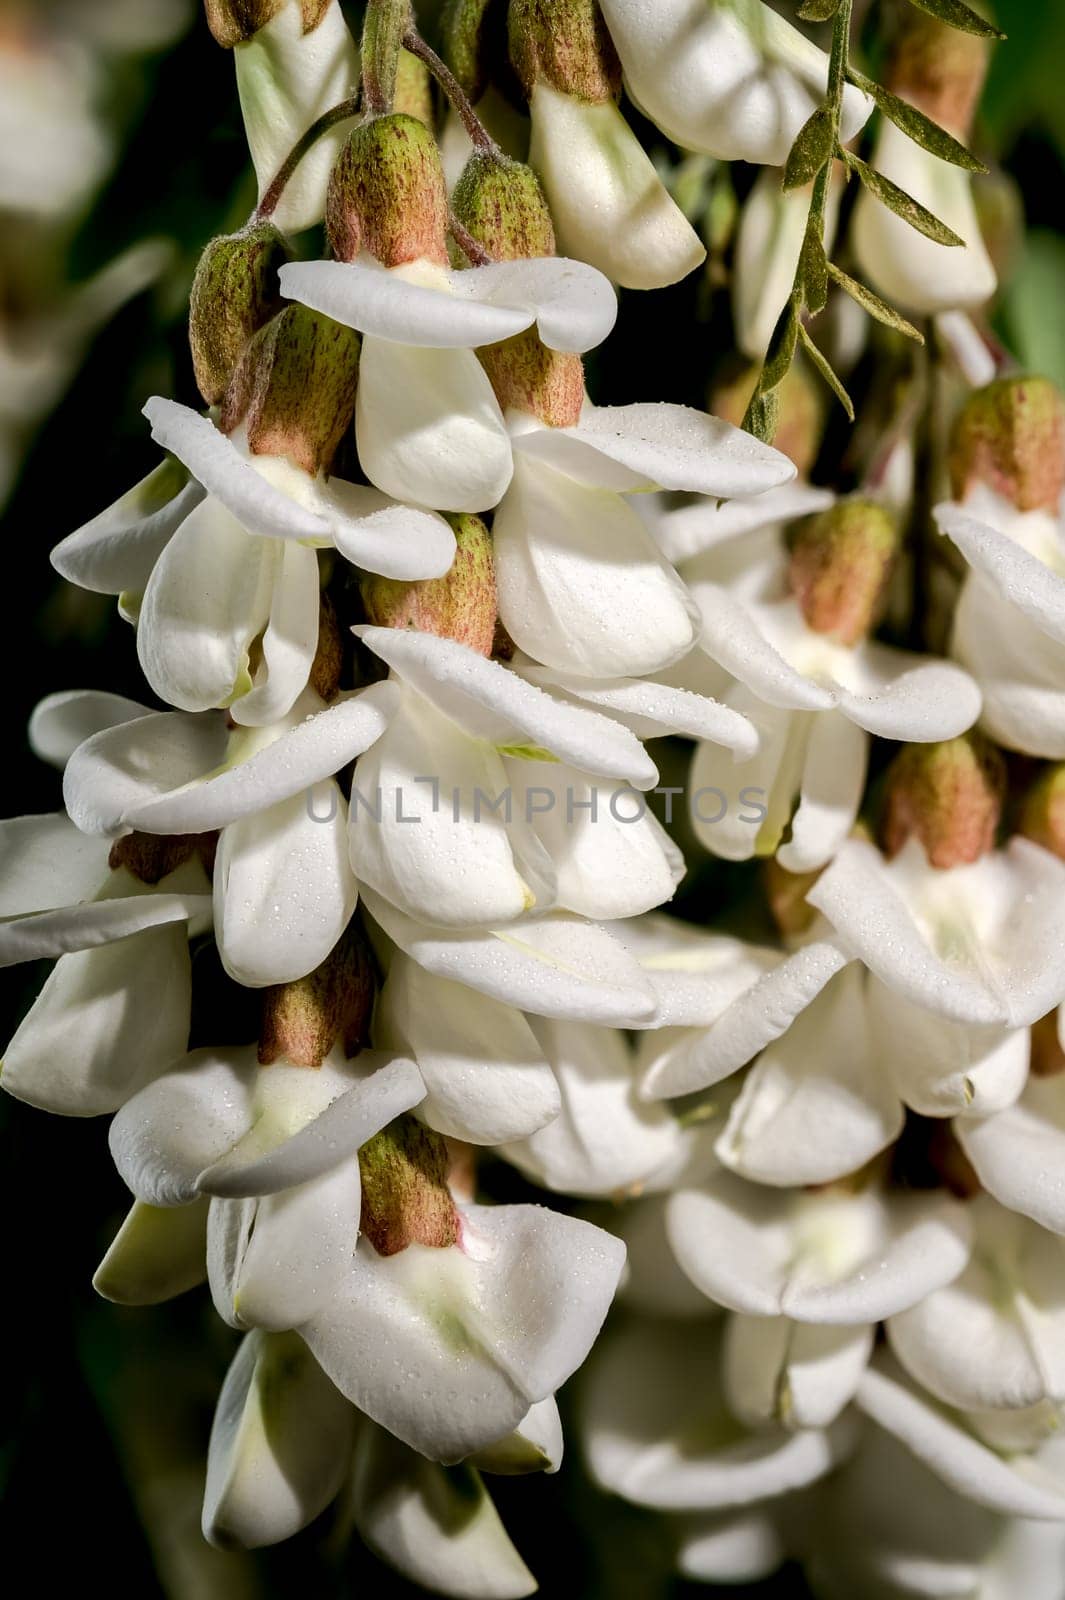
(478,134)
(382,40)
(344,112)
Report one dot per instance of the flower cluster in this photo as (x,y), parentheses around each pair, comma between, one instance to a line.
(416,606)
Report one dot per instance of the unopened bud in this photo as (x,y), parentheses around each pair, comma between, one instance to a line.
(941,70)
(405,1194)
(234,21)
(786,893)
(461,605)
(564,43)
(151,857)
(295,388)
(949,796)
(302,1021)
(1042,816)
(467,33)
(328,663)
(841,565)
(235,291)
(387,194)
(801,417)
(1011,438)
(414,89)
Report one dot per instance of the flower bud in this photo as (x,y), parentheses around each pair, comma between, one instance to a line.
(295,388)
(564,43)
(233,21)
(405,1197)
(414,89)
(1011,438)
(461,605)
(387,194)
(801,419)
(468,34)
(302,1021)
(950,796)
(1042,816)
(235,291)
(841,565)
(940,70)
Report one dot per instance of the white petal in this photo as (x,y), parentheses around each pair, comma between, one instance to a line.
(96,923)
(582,585)
(1018,1489)
(1019,669)
(218,465)
(700,525)
(280,1444)
(574,305)
(731,635)
(206,602)
(816,1105)
(652,1282)
(290,641)
(1018,1153)
(438,1528)
(497,705)
(388,306)
(730,1547)
(535,1445)
(377,534)
(941,1068)
(60,722)
(739,810)
(429,428)
(833,782)
(1021,578)
(155,1255)
(657,445)
(283,889)
(608,204)
(834,1257)
(795,1374)
(652,709)
(906,699)
(117,550)
(559,966)
(447,1349)
(45,863)
(487,1078)
(106,1022)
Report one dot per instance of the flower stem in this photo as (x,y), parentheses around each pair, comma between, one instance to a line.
(329,119)
(479,136)
(382,39)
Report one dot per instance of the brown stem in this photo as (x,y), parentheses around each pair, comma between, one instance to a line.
(471,248)
(329,119)
(479,136)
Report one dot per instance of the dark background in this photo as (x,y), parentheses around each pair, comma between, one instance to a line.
(107,1411)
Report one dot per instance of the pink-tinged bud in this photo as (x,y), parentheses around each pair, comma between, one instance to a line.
(841,565)
(461,605)
(234,21)
(235,291)
(949,796)
(405,1194)
(786,893)
(1011,438)
(564,43)
(387,194)
(328,664)
(801,420)
(941,71)
(152,857)
(302,1021)
(414,89)
(295,388)
(1042,816)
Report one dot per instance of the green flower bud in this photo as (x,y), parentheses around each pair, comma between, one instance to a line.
(295,388)
(841,565)
(1011,437)
(564,43)
(234,21)
(414,89)
(387,194)
(235,291)
(302,1021)
(405,1194)
(949,795)
(461,605)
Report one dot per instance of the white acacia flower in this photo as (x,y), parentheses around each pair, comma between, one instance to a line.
(813,698)
(286,77)
(658,1429)
(583,587)
(275,1149)
(768,244)
(1009,627)
(731,78)
(462,755)
(808,1276)
(608,203)
(55,146)
(907,268)
(428,426)
(224,565)
(1017,1152)
(283,888)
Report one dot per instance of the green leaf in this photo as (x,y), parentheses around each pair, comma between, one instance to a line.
(901,203)
(824,368)
(818,10)
(781,352)
(813,266)
(813,146)
(959,16)
(873,304)
(916,126)
(762,416)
